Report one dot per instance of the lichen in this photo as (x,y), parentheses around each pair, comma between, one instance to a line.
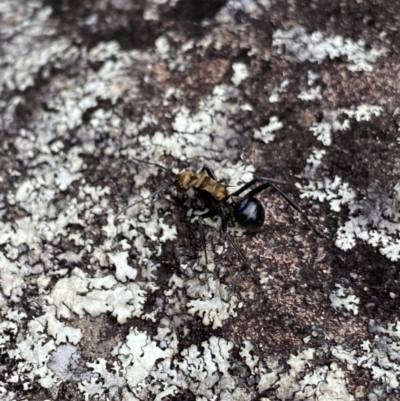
(76,114)
(299,46)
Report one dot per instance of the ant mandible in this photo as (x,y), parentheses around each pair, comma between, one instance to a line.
(247,210)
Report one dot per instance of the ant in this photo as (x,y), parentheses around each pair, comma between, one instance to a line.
(247,210)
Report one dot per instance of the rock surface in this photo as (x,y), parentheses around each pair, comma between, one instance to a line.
(127,309)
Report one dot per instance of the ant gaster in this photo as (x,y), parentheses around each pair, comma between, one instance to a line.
(247,210)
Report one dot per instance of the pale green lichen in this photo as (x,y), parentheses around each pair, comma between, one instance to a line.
(53,205)
(297,45)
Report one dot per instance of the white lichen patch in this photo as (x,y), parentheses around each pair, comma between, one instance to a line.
(364,112)
(339,121)
(376,221)
(208,369)
(71,153)
(57,205)
(25,55)
(336,192)
(311,94)
(12,278)
(297,45)
(314,161)
(139,356)
(64,361)
(240,73)
(74,294)
(304,379)
(58,330)
(254,9)
(344,356)
(196,134)
(147,370)
(265,133)
(124,272)
(211,303)
(380,357)
(329,124)
(30,356)
(277,91)
(325,383)
(342,299)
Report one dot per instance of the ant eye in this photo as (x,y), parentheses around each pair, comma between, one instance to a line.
(249,213)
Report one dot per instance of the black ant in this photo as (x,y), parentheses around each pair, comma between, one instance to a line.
(247,210)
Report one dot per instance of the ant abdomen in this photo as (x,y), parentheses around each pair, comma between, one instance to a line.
(249,212)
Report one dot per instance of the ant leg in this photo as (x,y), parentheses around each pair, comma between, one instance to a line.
(244,260)
(255,181)
(224,226)
(201,230)
(294,205)
(297,207)
(208,171)
(258,189)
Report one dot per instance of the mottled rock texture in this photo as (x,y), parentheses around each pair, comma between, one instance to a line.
(94,307)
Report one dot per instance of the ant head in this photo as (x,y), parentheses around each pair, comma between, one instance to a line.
(249,212)
(184,181)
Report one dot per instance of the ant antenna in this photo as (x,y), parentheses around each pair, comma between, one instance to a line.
(152,195)
(168,170)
